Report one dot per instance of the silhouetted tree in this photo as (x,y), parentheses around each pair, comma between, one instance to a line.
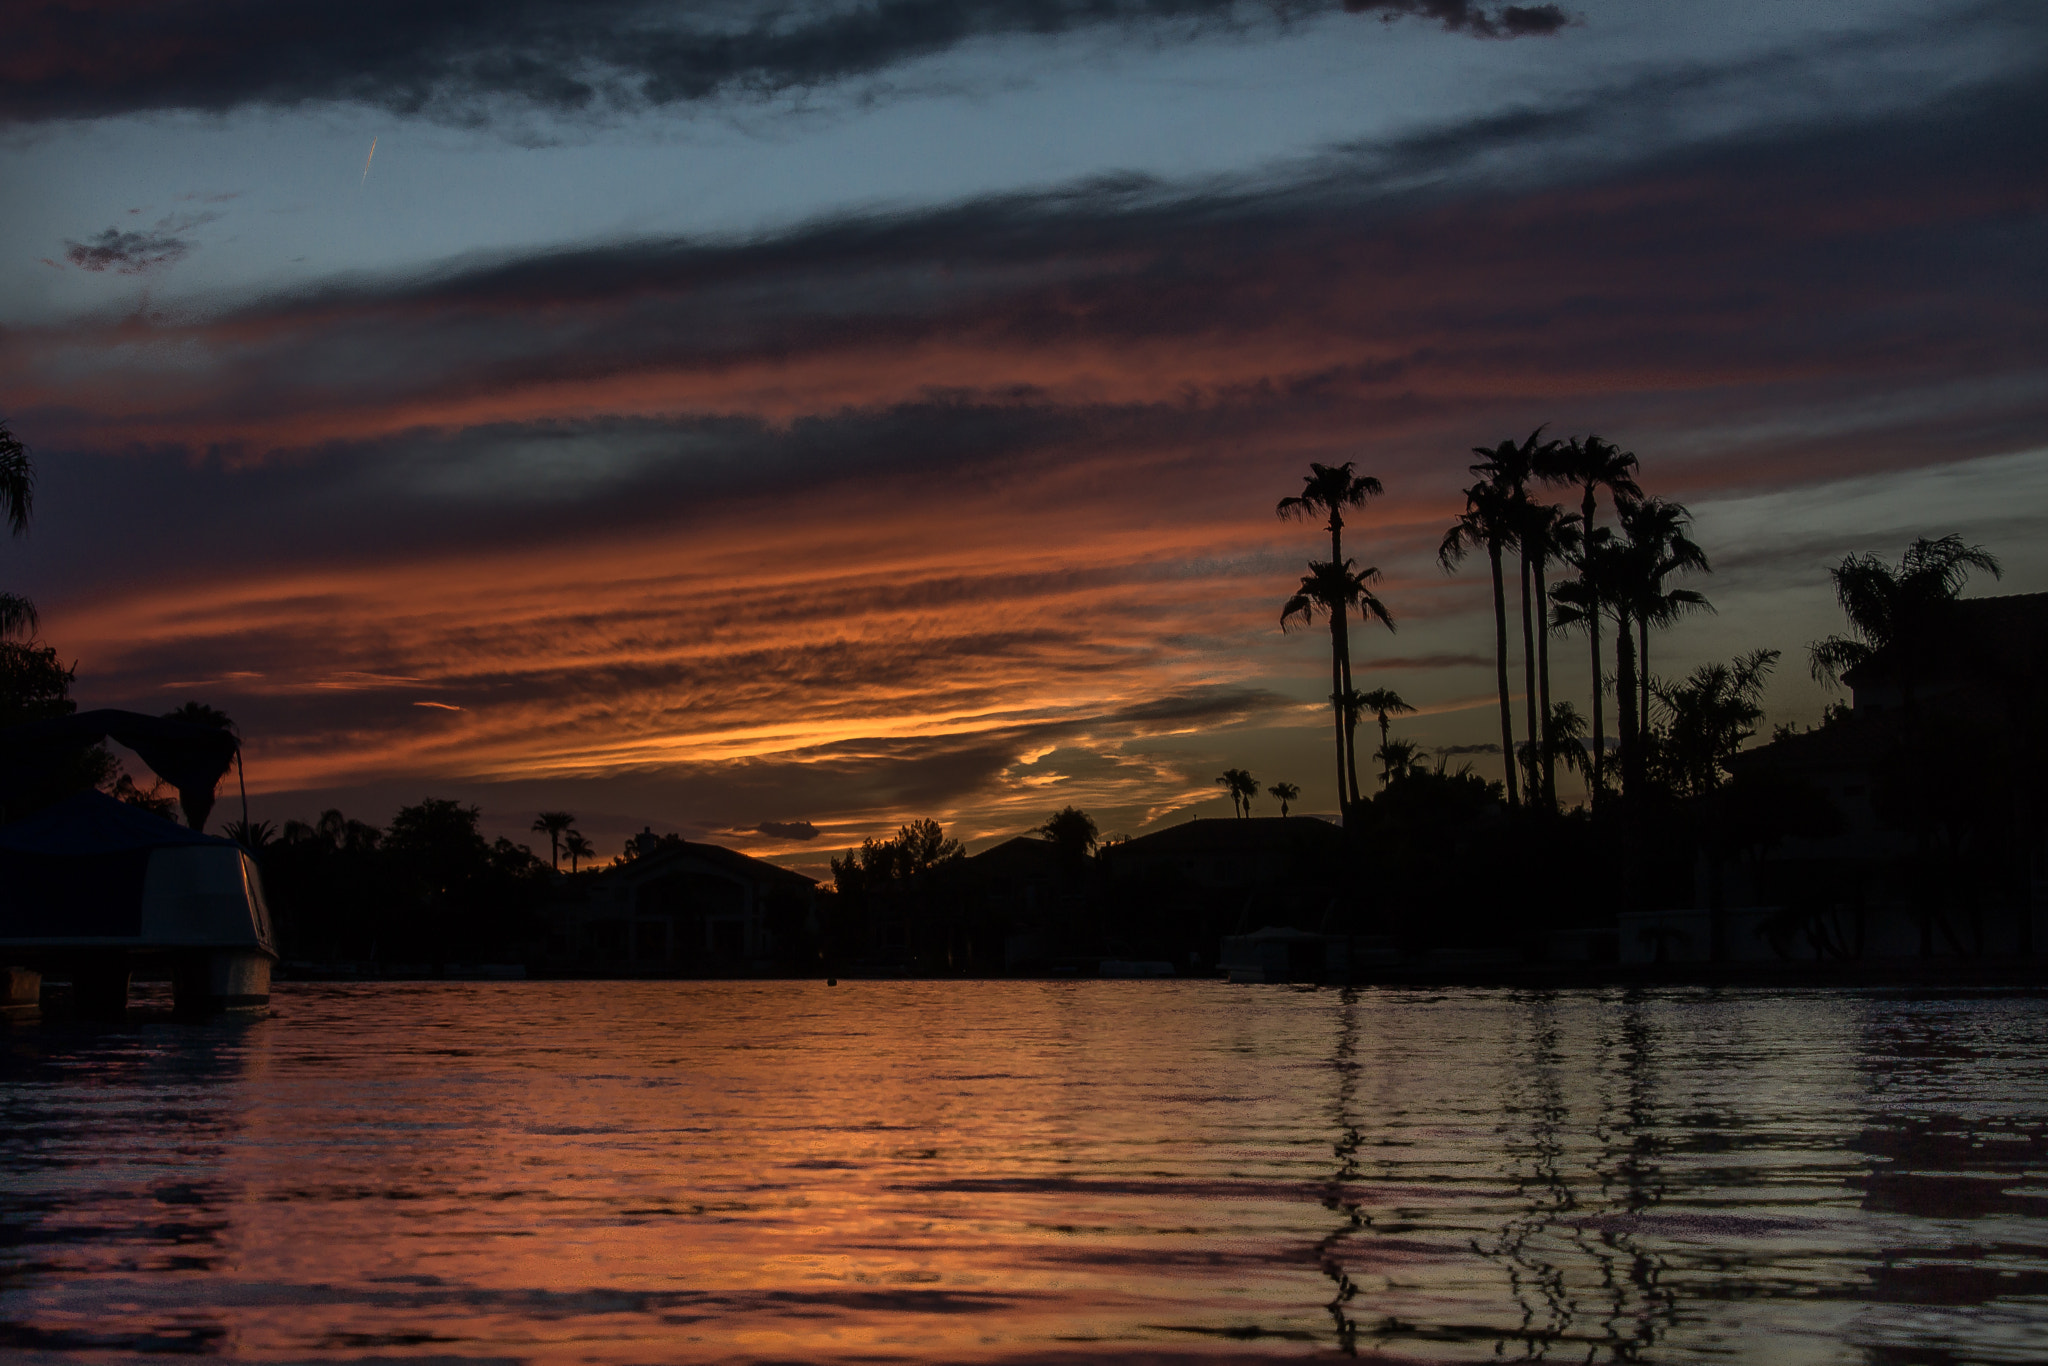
(577,847)
(1594,464)
(1383,703)
(1071,829)
(1656,547)
(553,824)
(17,479)
(1284,793)
(1333,589)
(1489,521)
(1706,719)
(1326,491)
(1398,759)
(17,496)
(1507,469)
(1897,611)
(1242,787)
(255,836)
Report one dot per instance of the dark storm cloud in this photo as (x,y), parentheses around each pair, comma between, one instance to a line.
(137,251)
(1822,300)
(1908,245)
(459,58)
(1461,16)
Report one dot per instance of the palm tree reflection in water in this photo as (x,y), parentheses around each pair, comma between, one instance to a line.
(1571,1231)
(1339,1197)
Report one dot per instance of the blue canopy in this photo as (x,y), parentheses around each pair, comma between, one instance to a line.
(94,823)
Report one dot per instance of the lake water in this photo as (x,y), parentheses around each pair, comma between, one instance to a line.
(1030,1171)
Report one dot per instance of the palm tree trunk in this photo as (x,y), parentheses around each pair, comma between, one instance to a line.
(1543,682)
(1643,671)
(1347,792)
(1337,709)
(1535,730)
(1344,657)
(1625,695)
(1500,661)
(1386,759)
(1351,747)
(1587,507)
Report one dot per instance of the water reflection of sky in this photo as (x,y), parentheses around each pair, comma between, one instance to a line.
(1009,1171)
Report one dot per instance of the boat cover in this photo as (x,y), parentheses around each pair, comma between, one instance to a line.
(93,868)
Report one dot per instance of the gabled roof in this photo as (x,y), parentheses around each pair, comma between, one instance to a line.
(94,823)
(730,861)
(1021,856)
(1236,835)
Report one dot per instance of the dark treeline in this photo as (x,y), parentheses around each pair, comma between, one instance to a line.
(1933,776)
(428,889)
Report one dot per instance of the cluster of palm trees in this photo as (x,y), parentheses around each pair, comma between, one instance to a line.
(1623,578)
(1575,572)
(1243,787)
(1335,588)
(563,838)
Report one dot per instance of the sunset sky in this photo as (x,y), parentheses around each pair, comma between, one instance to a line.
(775,422)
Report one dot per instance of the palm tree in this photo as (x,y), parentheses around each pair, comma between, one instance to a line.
(1398,759)
(1383,703)
(1658,547)
(553,824)
(1326,490)
(17,616)
(1488,521)
(17,496)
(1509,468)
(1243,787)
(1594,464)
(1284,793)
(577,847)
(1896,612)
(17,479)
(1548,533)
(1332,588)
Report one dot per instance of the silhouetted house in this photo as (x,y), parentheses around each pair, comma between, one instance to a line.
(685,908)
(1176,892)
(1236,854)
(1016,902)
(1912,824)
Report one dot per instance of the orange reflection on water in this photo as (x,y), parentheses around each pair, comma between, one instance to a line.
(648,1172)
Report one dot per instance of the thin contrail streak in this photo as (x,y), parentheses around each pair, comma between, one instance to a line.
(366,164)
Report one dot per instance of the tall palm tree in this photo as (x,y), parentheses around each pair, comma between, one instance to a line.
(1897,612)
(577,847)
(1332,588)
(1548,534)
(1383,703)
(1242,788)
(1489,521)
(1605,588)
(1594,464)
(553,824)
(1284,793)
(1326,490)
(1510,468)
(1658,547)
